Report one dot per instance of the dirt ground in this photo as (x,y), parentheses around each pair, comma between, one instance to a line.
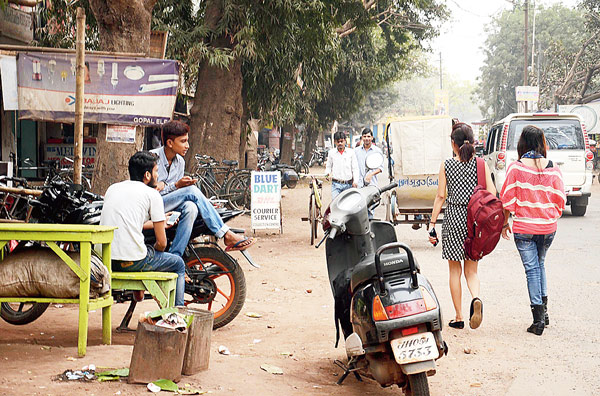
(296,331)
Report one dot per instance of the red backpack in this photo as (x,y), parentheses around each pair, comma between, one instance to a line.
(485,218)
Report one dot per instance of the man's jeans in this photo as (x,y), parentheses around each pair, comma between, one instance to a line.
(189,201)
(160,262)
(337,188)
(532,249)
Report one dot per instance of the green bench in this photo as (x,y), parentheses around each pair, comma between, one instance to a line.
(160,285)
(86,236)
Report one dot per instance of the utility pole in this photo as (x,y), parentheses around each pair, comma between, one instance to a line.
(79,80)
(525,74)
(441,85)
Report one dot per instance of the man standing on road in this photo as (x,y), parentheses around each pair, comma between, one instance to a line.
(133,205)
(341,166)
(180,193)
(368,177)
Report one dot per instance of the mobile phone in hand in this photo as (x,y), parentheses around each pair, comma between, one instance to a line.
(433,234)
(173,218)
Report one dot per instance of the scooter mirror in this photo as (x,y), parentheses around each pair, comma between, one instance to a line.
(374,160)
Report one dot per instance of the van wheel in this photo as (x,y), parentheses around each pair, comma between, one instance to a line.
(578,210)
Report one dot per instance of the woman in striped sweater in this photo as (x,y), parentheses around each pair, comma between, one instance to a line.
(534,194)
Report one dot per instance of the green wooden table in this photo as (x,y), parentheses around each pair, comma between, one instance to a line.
(85,235)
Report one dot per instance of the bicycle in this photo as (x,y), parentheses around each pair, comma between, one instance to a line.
(315,204)
(223,182)
(299,165)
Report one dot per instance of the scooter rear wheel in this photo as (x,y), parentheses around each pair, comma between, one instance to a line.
(418,385)
(225,276)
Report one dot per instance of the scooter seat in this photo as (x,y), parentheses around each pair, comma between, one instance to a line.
(391,263)
(230,162)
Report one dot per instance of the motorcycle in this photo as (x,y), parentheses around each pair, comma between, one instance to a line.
(213,277)
(388,311)
(289,177)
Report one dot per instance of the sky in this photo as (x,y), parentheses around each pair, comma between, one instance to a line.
(463,35)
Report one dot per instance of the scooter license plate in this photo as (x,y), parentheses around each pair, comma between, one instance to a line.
(415,348)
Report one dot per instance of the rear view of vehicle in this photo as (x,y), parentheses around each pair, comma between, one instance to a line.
(568,148)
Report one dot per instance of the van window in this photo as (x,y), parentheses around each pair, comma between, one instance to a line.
(565,134)
(498,137)
(490,141)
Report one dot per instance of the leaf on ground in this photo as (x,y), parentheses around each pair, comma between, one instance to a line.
(108,378)
(272,369)
(253,315)
(188,390)
(166,385)
(122,372)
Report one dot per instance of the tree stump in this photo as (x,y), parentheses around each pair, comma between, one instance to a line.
(197,351)
(157,354)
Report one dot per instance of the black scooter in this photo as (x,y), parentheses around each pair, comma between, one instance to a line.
(388,312)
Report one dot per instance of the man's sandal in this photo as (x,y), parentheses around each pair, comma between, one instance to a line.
(241,245)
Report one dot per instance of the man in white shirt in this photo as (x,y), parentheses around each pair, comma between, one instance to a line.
(341,166)
(133,205)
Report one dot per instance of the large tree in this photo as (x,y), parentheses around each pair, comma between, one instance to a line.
(503,67)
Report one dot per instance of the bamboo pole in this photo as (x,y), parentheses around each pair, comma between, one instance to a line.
(79,82)
(28,48)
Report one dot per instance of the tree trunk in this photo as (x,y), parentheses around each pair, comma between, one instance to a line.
(287,139)
(245,130)
(217,112)
(123,26)
(310,140)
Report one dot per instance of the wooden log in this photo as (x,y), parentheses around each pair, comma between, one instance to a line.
(157,353)
(197,350)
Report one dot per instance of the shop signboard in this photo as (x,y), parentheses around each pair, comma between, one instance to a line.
(123,91)
(120,133)
(266,200)
(58,152)
(16,24)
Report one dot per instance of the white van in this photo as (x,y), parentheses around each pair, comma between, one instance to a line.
(568,148)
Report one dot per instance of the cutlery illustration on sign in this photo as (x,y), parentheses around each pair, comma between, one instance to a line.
(157,86)
(51,69)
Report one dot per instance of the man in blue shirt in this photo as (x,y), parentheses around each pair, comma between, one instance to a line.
(367,177)
(180,193)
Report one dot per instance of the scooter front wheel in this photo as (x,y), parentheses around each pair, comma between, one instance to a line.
(217,283)
(418,385)
(14,313)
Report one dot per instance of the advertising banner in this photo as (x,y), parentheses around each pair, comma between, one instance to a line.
(60,151)
(121,91)
(266,200)
(120,133)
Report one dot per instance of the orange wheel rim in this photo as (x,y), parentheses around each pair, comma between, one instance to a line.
(228,298)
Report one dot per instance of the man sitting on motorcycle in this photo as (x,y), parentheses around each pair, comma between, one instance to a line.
(180,193)
(133,205)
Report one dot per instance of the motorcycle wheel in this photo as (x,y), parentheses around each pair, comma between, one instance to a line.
(19,316)
(418,384)
(229,281)
(291,183)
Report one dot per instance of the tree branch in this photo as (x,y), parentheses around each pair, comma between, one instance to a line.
(590,98)
(562,90)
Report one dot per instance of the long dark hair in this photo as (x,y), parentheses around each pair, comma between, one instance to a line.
(532,138)
(462,136)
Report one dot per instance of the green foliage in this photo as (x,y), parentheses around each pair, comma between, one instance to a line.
(559,32)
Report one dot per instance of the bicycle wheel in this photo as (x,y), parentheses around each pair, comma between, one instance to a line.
(237,191)
(311,218)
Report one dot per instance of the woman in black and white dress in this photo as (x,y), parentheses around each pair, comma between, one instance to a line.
(457,180)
